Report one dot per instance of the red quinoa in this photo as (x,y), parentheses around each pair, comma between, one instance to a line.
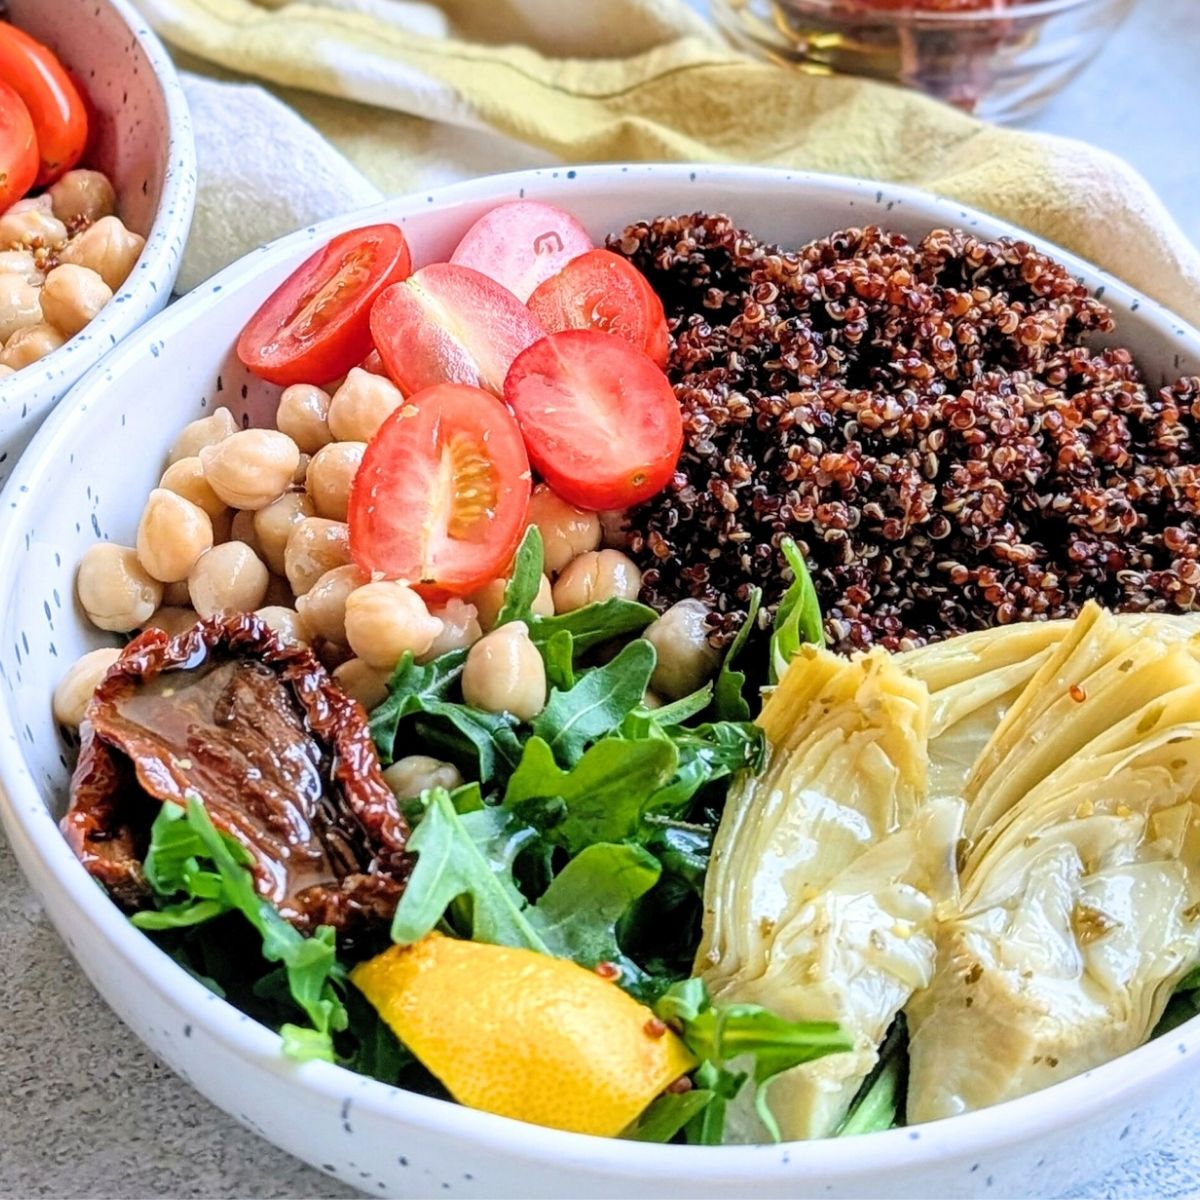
(930,422)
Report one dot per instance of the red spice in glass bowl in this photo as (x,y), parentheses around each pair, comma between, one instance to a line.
(998,59)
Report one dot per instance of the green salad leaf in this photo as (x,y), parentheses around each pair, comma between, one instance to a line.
(729,691)
(525,580)
(600,799)
(412,688)
(719,1034)
(667,1115)
(200,874)
(468,854)
(579,912)
(597,704)
(879,1098)
(798,619)
(558,653)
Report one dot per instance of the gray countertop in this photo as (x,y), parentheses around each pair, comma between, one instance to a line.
(90,1112)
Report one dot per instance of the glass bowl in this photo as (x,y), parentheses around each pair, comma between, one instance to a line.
(999,59)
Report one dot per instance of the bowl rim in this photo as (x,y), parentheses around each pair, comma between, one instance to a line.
(34,832)
(157,266)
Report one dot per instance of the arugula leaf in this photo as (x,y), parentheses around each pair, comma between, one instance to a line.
(667,1115)
(488,742)
(579,912)
(723,1085)
(189,855)
(874,1107)
(466,855)
(683,709)
(719,1034)
(558,653)
(597,704)
(412,689)
(798,619)
(522,587)
(594,624)
(600,799)
(729,700)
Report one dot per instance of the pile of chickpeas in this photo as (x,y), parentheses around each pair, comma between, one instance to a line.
(255,520)
(62,256)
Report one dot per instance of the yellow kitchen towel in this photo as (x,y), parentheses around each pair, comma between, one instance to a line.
(505,83)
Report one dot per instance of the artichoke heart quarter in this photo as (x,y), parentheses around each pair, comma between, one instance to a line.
(826,874)
(1080,886)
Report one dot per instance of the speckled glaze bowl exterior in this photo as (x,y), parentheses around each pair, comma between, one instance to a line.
(142,139)
(87,475)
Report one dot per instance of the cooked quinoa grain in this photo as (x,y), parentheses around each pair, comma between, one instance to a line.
(929,422)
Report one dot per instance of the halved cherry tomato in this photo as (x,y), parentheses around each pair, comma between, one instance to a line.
(57,109)
(317,324)
(442,493)
(521,244)
(600,421)
(18,148)
(602,290)
(449,324)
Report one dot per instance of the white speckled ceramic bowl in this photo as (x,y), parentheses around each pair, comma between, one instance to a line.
(142,139)
(87,475)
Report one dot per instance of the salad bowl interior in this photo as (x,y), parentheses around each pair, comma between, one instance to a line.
(86,476)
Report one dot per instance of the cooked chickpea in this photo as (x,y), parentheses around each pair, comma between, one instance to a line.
(386,619)
(330,475)
(365,684)
(186,478)
(115,590)
(81,195)
(300,474)
(567,531)
(651,699)
(228,578)
(505,673)
(274,523)
(241,529)
(314,546)
(303,414)
(33,227)
(252,467)
(361,405)
(685,659)
(416,773)
(205,431)
(30,345)
(331,655)
(323,606)
(222,525)
(490,599)
(6,371)
(172,619)
(76,687)
(22,263)
(72,296)
(107,247)
(287,624)
(460,628)
(175,595)
(614,528)
(20,305)
(596,575)
(279,593)
(172,535)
